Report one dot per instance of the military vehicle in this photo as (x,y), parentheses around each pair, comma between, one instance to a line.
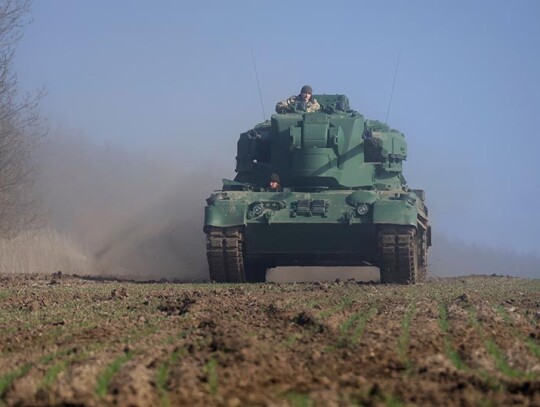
(343,200)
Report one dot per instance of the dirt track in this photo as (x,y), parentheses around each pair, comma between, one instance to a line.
(467,341)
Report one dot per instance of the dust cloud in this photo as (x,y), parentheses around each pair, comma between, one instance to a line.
(454,258)
(138,214)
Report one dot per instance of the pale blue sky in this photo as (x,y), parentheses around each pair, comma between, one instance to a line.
(178,76)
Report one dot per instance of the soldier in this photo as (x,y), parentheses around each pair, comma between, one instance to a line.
(274,183)
(306,96)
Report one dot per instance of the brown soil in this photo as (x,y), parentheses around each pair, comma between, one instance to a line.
(465,341)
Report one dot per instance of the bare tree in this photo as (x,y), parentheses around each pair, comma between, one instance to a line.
(21,128)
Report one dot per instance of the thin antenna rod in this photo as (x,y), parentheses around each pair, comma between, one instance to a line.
(258,83)
(393,86)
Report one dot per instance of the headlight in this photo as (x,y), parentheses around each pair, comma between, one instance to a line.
(362,209)
(257,209)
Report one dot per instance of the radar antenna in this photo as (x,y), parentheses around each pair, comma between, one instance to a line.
(258,84)
(393,85)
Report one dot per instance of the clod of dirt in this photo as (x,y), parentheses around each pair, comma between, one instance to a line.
(463,298)
(272,310)
(133,386)
(34,305)
(228,341)
(322,285)
(119,294)
(207,323)
(55,278)
(375,390)
(180,306)
(307,319)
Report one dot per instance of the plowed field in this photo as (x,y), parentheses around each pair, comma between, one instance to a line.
(77,341)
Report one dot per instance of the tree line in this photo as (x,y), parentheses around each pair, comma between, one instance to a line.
(21,129)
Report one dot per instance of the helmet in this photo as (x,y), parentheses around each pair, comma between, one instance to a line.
(306,89)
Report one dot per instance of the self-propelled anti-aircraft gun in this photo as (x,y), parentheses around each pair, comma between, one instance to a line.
(343,200)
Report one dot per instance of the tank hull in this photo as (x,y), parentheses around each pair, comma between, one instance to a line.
(253,231)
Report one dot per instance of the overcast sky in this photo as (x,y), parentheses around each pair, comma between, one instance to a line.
(178,76)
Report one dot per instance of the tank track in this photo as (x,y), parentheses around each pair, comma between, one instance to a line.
(422,256)
(402,257)
(225,255)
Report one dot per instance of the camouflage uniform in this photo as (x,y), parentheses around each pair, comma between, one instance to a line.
(285,105)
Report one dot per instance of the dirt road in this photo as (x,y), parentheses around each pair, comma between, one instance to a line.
(465,341)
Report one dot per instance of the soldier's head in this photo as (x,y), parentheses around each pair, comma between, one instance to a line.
(274,181)
(306,92)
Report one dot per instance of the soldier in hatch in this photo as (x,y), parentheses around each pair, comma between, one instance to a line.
(274,184)
(306,96)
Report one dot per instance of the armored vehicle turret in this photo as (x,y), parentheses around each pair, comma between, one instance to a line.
(342,199)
